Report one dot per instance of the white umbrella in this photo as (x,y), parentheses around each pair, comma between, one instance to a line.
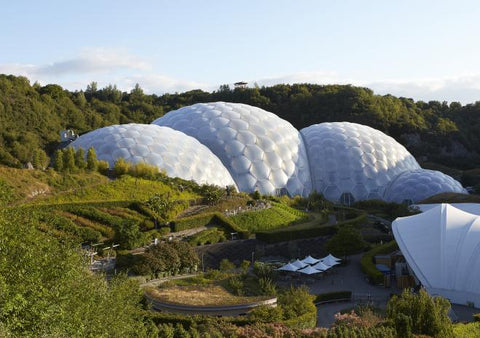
(299,264)
(329,260)
(288,267)
(321,266)
(309,270)
(330,256)
(310,260)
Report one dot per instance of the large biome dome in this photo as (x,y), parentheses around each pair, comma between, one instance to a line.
(351,162)
(262,151)
(178,154)
(414,186)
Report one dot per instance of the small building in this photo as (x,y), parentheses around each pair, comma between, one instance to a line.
(67,136)
(240,85)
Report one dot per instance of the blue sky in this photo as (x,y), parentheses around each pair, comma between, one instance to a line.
(421,49)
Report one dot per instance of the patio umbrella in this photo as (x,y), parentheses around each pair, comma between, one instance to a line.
(299,264)
(330,256)
(329,260)
(310,260)
(288,267)
(308,270)
(321,266)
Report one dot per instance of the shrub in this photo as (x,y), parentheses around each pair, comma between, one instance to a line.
(346,241)
(103,167)
(236,284)
(266,314)
(262,270)
(267,286)
(298,308)
(420,314)
(226,265)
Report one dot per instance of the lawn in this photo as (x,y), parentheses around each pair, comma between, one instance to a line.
(268,219)
(200,295)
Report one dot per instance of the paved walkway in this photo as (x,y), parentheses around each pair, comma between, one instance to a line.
(344,278)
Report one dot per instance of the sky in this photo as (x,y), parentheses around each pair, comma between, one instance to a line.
(426,50)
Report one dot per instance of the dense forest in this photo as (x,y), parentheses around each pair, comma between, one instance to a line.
(31,116)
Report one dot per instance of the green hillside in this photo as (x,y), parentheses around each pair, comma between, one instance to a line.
(32,115)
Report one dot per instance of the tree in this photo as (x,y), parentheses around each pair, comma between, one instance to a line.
(80,159)
(58,161)
(67,300)
(161,205)
(296,302)
(420,313)
(92,162)
(187,255)
(39,160)
(121,167)
(346,241)
(69,159)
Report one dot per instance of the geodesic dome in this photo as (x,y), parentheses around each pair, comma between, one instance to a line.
(414,186)
(351,162)
(260,150)
(178,154)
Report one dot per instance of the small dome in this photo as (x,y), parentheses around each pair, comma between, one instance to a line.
(351,162)
(262,151)
(179,155)
(414,186)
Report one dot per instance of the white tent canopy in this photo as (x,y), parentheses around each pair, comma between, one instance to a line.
(299,264)
(321,266)
(330,260)
(309,270)
(442,247)
(310,260)
(288,267)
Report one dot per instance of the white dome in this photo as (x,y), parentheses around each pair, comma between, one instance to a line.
(349,160)
(442,247)
(178,154)
(419,184)
(260,150)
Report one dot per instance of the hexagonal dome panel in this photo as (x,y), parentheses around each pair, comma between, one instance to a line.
(261,150)
(349,158)
(414,186)
(173,151)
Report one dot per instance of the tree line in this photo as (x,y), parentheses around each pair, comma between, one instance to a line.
(33,115)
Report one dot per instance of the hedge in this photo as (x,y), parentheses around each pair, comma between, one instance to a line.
(209,236)
(206,219)
(96,215)
(332,296)
(293,232)
(368,266)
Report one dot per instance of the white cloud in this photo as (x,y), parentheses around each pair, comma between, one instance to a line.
(463,88)
(118,66)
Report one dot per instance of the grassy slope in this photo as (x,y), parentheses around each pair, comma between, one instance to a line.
(27,185)
(125,188)
(267,219)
